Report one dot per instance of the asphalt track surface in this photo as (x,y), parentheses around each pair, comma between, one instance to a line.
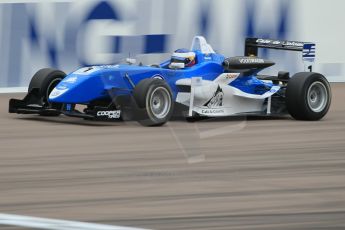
(238,173)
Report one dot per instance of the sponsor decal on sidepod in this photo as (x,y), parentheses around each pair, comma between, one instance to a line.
(212,111)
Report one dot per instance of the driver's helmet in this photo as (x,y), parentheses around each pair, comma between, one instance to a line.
(183,56)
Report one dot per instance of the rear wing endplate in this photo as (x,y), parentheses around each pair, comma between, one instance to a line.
(252,46)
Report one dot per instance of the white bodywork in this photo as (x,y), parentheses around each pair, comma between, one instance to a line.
(218,98)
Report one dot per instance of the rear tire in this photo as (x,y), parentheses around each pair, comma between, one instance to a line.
(154,100)
(308,96)
(42,83)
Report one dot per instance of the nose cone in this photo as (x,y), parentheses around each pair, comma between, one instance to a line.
(80,86)
(73,89)
(87,84)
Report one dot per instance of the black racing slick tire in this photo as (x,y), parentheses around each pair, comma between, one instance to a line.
(154,101)
(308,96)
(42,83)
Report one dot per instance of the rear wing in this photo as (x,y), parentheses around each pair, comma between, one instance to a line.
(252,46)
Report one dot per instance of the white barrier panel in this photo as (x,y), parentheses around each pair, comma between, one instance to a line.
(14,90)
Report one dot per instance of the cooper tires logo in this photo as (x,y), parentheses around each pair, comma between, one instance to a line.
(112,114)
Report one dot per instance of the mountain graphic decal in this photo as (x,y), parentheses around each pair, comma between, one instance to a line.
(216,100)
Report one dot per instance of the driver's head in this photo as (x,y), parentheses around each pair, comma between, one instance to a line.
(183,56)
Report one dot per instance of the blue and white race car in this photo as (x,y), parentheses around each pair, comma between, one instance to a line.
(193,83)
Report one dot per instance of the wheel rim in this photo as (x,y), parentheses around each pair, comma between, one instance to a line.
(160,102)
(317,96)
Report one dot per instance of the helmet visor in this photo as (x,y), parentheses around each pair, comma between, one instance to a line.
(180,60)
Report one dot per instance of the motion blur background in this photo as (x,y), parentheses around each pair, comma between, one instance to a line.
(67,34)
(219,174)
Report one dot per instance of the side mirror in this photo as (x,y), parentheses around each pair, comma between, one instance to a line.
(176,65)
(131,61)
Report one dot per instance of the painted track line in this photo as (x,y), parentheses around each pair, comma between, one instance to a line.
(54,224)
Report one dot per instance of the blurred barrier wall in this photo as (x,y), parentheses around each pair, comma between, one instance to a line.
(69,34)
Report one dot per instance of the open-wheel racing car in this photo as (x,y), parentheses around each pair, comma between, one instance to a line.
(193,83)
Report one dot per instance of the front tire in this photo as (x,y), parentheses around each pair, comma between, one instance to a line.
(308,96)
(154,100)
(42,83)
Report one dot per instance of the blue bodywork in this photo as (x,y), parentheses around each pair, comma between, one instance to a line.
(94,83)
